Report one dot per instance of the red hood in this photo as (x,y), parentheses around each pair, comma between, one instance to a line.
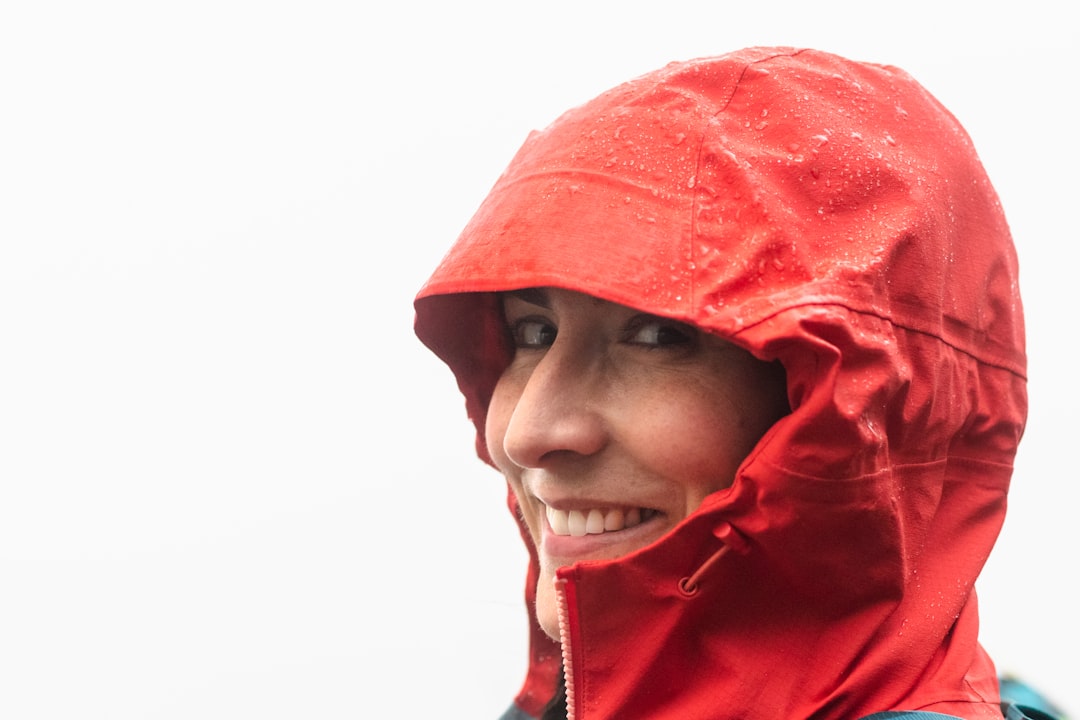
(835,217)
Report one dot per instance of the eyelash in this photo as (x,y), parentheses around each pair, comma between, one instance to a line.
(665,333)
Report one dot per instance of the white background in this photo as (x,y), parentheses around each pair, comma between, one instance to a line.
(232,483)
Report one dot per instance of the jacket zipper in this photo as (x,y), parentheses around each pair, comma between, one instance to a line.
(562,588)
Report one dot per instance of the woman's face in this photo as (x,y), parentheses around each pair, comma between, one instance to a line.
(613,425)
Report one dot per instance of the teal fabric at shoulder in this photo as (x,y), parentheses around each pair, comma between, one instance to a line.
(1020,701)
(1011,712)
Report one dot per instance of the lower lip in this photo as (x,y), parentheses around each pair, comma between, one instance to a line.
(571,548)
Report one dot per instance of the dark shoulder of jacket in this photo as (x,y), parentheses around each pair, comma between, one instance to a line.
(515,713)
(1023,712)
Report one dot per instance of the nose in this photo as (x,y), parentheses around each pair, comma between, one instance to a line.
(557,410)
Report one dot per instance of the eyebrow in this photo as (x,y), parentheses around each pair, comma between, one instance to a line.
(532,295)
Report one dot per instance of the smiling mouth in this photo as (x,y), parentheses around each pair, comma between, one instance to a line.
(596,521)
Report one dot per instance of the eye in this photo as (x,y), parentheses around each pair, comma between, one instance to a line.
(652,331)
(531,332)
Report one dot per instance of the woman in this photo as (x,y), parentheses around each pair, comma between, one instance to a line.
(744,336)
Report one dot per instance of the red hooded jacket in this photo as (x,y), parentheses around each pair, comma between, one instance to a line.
(833,216)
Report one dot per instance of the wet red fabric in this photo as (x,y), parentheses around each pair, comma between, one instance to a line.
(833,216)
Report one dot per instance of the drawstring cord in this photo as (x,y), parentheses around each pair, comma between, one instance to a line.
(689,585)
(731,539)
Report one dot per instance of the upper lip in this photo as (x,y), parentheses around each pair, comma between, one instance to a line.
(576,490)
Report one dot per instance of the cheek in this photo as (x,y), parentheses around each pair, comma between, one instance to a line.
(500,409)
(698,434)
(695,442)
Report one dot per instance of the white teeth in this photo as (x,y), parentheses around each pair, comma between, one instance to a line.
(559,522)
(579,523)
(614,520)
(594,524)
